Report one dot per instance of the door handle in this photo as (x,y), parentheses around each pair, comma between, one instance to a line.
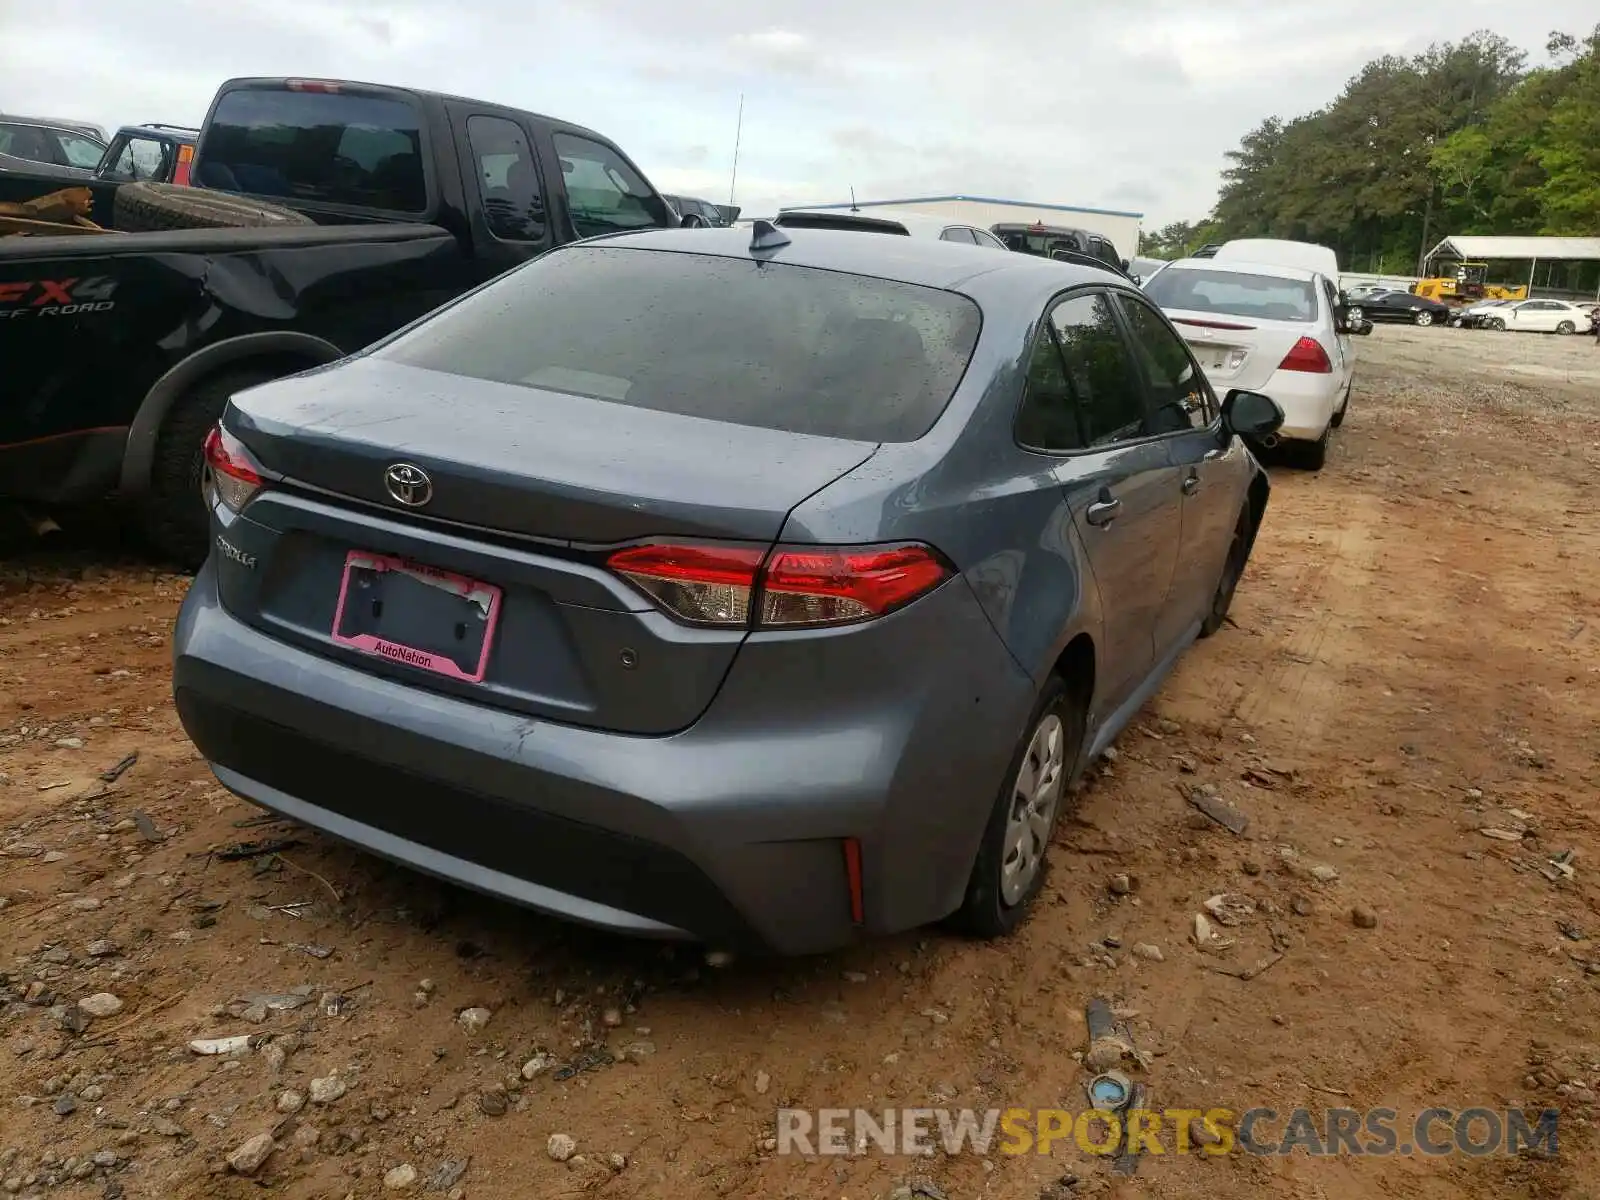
(1103,512)
(1191,484)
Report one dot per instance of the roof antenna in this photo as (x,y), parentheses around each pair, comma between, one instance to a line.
(853,207)
(764,235)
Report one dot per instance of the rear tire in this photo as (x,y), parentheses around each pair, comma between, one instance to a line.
(158,207)
(1018,832)
(1566,327)
(1232,571)
(174,514)
(1338,417)
(1313,456)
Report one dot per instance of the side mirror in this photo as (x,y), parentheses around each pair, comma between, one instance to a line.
(1250,414)
(1124,264)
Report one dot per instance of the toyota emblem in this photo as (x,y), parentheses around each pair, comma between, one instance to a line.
(409,485)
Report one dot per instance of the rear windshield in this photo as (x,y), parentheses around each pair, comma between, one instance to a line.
(1041,244)
(1235,294)
(364,151)
(841,221)
(776,345)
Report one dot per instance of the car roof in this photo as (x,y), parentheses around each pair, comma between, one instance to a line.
(178,133)
(1243,268)
(62,123)
(927,262)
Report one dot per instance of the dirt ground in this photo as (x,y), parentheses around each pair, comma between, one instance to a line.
(1415,658)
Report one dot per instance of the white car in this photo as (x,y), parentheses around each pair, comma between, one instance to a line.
(1539,316)
(1270,329)
(917,225)
(1474,314)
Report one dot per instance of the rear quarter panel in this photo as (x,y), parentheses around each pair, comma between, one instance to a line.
(996,511)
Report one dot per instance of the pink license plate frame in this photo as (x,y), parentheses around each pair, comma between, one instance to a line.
(425,660)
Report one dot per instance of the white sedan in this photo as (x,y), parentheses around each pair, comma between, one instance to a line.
(1268,329)
(1539,316)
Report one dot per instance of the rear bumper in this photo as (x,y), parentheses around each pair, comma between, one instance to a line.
(731,831)
(1308,402)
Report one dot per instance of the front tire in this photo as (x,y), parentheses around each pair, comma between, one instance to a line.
(1495,323)
(1011,863)
(1566,328)
(1423,318)
(1232,571)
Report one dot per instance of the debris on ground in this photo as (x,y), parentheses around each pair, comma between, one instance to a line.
(1204,797)
(115,773)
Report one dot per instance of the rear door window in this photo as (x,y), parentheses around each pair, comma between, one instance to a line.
(605,194)
(75,150)
(1099,369)
(957,233)
(508,179)
(773,345)
(1048,419)
(335,148)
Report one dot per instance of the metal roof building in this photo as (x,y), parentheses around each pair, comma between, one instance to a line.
(1556,265)
(985,211)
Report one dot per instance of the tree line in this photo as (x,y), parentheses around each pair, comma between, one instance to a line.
(1463,138)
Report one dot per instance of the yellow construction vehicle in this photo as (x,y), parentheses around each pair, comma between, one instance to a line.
(1467,286)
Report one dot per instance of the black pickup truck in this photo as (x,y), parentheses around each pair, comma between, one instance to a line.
(338,213)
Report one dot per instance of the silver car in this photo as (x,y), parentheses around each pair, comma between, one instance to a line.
(759,586)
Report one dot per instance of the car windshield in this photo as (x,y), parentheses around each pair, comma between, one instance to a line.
(1235,294)
(773,345)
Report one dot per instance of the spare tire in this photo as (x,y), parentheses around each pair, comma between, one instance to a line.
(153,207)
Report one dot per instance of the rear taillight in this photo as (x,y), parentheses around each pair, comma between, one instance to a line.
(180,172)
(793,587)
(231,474)
(1307,355)
(704,585)
(325,87)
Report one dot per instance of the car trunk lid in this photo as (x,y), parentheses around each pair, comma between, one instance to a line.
(1238,352)
(530,462)
(495,589)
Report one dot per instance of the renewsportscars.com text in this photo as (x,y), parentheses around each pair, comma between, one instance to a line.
(1373,1132)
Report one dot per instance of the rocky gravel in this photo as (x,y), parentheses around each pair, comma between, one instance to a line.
(197,1000)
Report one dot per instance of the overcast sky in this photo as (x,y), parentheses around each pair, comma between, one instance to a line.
(1123,104)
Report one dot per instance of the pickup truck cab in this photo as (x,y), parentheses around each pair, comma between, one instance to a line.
(338,212)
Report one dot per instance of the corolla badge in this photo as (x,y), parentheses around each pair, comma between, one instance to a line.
(408,484)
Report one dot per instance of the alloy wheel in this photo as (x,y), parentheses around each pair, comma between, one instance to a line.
(1035,797)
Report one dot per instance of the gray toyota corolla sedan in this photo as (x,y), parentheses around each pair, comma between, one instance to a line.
(765,588)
